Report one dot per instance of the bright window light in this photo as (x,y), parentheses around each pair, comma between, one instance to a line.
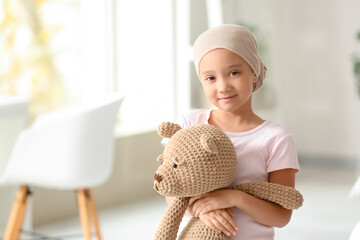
(144,62)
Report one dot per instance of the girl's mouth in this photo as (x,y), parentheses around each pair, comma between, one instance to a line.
(226,99)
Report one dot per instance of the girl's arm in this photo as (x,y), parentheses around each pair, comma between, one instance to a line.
(220,220)
(262,211)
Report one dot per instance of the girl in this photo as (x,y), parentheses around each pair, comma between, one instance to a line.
(230,70)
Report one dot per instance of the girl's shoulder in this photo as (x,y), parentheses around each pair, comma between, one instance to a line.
(194,117)
(276,128)
(275,133)
(191,118)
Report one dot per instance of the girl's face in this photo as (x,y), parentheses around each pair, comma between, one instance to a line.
(227,80)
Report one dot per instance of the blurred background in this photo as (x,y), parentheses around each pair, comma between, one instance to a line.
(58,53)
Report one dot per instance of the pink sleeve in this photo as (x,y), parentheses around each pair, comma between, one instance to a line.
(282,154)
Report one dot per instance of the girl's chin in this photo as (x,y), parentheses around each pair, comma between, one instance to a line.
(228,108)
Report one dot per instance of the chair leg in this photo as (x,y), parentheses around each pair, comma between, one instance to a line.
(17,214)
(84,213)
(93,213)
(87,209)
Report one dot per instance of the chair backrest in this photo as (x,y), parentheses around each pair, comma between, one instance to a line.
(67,149)
(14,117)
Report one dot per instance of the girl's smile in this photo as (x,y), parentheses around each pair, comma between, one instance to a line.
(228,98)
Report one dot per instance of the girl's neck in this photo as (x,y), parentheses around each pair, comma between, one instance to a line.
(234,122)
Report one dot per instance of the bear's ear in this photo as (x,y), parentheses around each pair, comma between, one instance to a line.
(168,129)
(208,143)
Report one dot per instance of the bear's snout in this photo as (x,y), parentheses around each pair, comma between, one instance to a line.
(158,178)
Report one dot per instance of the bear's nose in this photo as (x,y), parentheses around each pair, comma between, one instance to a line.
(158,178)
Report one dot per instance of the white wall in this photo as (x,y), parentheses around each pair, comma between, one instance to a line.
(310,45)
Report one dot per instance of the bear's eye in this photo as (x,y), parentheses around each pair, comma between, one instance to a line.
(174,165)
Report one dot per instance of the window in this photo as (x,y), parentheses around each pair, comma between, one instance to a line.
(141,49)
(68,51)
(144,62)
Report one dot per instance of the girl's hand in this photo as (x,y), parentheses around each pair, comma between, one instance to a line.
(220,220)
(218,199)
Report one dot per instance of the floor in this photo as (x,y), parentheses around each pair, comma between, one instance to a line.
(328,212)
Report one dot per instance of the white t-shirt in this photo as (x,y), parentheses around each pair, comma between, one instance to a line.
(266,148)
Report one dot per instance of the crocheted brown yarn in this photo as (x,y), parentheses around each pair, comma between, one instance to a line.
(197,160)
(170,223)
(287,197)
(168,129)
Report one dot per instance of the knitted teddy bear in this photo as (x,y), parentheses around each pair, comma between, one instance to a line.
(197,160)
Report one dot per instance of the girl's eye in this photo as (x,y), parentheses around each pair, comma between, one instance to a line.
(234,73)
(209,78)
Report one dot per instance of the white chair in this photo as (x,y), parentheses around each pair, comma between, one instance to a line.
(355,193)
(14,117)
(68,149)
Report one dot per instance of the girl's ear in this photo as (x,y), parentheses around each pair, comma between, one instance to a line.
(255,78)
(208,144)
(254,82)
(168,129)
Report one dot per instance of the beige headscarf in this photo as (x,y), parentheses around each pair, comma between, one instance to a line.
(236,39)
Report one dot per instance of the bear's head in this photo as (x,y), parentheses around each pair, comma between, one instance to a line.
(196,160)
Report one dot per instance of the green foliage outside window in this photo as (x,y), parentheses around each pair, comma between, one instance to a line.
(356,67)
(27,62)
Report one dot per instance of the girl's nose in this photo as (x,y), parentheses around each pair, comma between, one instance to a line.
(223,85)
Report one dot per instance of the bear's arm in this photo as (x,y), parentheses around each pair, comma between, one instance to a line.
(285,196)
(171,220)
